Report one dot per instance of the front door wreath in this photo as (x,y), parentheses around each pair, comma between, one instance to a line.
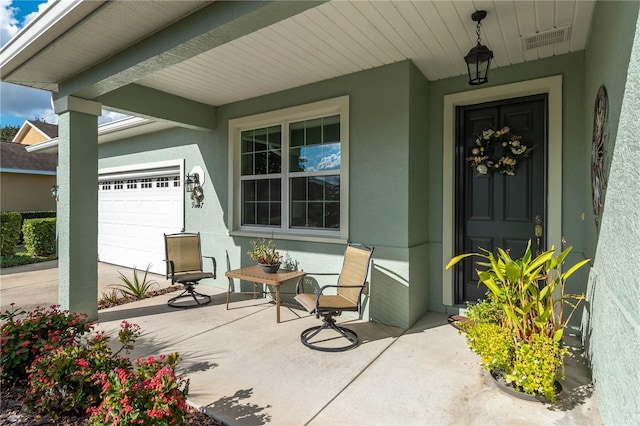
(504,162)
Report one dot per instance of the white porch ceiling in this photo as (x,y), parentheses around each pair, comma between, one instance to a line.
(333,39)
(343,37)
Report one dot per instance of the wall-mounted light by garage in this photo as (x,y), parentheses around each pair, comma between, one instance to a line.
(54,192)
(191,181)
(193,185)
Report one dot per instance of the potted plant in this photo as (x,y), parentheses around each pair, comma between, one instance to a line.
(266,255)
(517,330)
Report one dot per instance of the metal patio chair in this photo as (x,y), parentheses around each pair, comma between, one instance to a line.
(184,266)
(331,300)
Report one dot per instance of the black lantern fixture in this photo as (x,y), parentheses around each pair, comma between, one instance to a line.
(54,192)
(479,58)
(191,181)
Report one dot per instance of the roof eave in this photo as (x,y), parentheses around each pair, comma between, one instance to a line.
(50,24)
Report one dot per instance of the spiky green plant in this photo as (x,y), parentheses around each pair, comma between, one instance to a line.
(136,287)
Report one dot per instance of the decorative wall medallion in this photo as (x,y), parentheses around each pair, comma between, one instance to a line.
(598,183)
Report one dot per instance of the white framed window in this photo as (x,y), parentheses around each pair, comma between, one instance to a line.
(289,172)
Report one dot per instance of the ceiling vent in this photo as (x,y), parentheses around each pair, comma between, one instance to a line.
(546,38)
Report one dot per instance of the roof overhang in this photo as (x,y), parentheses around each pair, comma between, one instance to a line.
(109,132)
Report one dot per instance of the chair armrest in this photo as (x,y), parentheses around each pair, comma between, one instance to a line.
(300,282)
(172,268)
(215,265)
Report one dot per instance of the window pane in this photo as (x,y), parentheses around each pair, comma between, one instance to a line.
(248,213)
(316,215)
(299,189)
(260,139)
(262,214)
(331,157)
(261,163)
(247,142)
(275,215)
(314,132)
(249,190)
(262,190)
(316,189)
(321,149)
(298,214)
(275,161)
(274,187)
(331,129)
(296,162)
(315,202)
(296,134)
(332,215)
(274,137)
(247,164)
(332,188)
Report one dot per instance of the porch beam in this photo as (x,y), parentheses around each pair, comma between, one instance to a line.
(206,29)
(150,103)
(77,210)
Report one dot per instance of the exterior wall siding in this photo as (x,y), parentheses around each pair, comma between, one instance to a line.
(612,318)
(25,192)
(380,148)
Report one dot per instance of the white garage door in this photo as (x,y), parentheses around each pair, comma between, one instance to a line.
(134,211)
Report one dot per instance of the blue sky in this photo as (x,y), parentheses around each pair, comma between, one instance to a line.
(19,103)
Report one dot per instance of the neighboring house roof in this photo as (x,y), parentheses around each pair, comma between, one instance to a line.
(14,158)
(33,131)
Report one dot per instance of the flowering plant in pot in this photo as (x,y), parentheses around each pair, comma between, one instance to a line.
(518,330)
(265,254)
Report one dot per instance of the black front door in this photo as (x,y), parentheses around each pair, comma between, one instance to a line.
(497,210)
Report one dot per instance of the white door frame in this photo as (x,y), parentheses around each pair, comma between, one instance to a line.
(552,86)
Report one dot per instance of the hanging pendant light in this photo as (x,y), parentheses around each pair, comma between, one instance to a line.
(479,57)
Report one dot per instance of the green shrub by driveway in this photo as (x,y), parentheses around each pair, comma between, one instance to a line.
(10,232)
(40,236)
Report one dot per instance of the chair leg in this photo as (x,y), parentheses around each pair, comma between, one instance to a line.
(329,323)
(189,291)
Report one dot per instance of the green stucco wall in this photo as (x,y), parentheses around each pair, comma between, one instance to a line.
(387,191)
(612,318)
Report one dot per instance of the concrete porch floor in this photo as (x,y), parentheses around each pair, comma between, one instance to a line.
(245,369)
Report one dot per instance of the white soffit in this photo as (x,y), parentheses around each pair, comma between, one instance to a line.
(343,37)
(333,39)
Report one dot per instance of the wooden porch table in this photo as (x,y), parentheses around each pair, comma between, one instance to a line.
(255,275)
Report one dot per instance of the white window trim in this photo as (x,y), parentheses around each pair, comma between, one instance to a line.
(285,116)
(550,85)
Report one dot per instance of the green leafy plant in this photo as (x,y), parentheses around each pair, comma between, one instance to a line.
(492,342)
(9,232)
(264,252)
(23,337)
(525,290)
(526,300)
(40,236)
(148,394)
(536,365)
(136,287)
(108,299)
(61,379)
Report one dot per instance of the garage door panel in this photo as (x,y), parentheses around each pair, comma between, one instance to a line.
(134,215)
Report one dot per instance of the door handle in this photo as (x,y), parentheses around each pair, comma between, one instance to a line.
(538,233)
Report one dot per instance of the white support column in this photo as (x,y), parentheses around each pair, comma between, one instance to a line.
(77,212)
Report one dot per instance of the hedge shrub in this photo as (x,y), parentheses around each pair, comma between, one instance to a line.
(40,214)
(10,233)
(40,236)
